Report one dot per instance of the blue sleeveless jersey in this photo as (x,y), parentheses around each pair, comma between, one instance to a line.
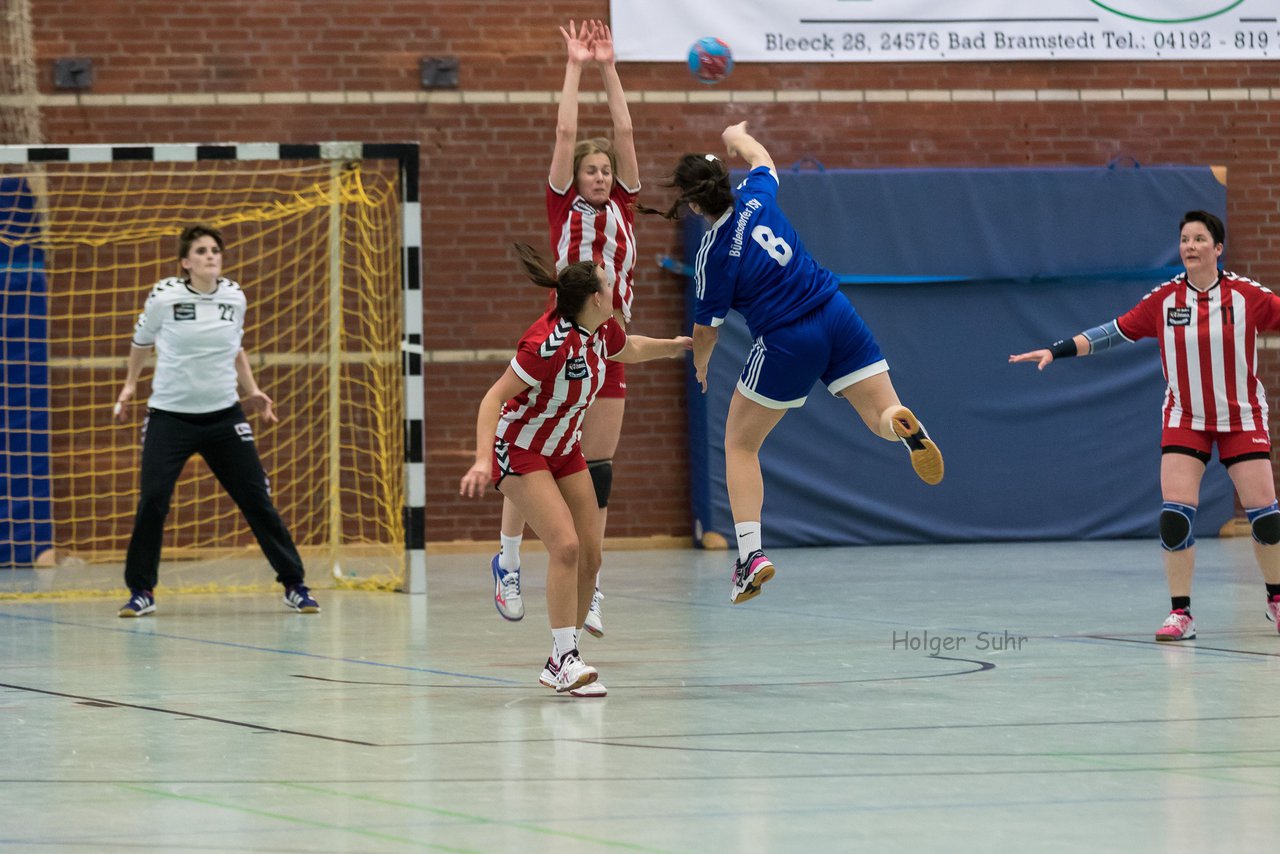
(752,261)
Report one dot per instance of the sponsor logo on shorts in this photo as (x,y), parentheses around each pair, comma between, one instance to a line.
(1257,440)
(1178,317)
(244,431)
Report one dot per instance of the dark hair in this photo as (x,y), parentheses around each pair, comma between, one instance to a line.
(192,233)
(1211,222)
(573,285)
(702,179)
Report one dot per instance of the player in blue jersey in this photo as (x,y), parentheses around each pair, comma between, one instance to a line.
(804,329)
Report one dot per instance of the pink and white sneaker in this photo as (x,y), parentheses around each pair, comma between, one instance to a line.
(1273,611)
(1177,626)
(568,673)
(749,576)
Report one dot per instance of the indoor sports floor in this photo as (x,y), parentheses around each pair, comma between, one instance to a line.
(814,718)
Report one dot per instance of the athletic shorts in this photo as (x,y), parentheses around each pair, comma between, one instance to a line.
(1233,447)
(830,343)
(510,459)
(615,380)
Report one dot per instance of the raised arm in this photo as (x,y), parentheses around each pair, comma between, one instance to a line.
(739,143)
(578,52)
(624,141)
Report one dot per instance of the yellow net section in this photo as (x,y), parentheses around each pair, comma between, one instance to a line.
(316,248)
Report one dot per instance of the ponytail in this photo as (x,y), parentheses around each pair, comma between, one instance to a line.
(573,285)
(702,179)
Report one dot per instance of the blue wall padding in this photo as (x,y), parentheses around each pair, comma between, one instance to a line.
(26,511)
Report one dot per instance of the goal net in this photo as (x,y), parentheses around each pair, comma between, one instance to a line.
(316,237)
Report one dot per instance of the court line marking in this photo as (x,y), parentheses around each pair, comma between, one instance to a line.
(234,645)
(521,825)
(685,684)
(305,822)
(183,714)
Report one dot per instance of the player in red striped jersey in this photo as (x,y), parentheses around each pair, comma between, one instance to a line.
(1206,322)
(591,189)
(528,443)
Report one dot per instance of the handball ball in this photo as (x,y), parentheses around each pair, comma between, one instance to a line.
(710,60)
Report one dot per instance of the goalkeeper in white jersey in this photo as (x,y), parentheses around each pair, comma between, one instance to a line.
(195,323)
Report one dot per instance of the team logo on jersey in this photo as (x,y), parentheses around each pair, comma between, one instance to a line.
(576,368)
(184,311)
(244,431)
(1178,317)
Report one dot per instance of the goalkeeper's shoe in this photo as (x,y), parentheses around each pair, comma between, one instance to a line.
(141,603)
(926,459)
(298,597)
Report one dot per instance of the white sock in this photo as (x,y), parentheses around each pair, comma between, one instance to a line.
(509,553)
(563,640)
(748,538)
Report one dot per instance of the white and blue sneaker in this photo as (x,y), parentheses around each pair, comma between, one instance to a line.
(141,603)
(506,592)
(298,597)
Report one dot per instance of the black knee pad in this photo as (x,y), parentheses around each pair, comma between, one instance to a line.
(601,472)
(1175,526)
(1265,522)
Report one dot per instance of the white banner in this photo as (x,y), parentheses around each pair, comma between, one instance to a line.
(957,30)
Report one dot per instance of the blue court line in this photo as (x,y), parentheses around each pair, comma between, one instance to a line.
(234,645)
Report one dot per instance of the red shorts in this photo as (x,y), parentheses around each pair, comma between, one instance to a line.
(1230,445)
(615,380)
(509,459)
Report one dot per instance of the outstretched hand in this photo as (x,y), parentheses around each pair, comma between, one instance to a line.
(577,42)
(1042,358)
(258,403)
(602,44)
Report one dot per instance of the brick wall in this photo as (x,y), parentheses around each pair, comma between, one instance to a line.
(306,71)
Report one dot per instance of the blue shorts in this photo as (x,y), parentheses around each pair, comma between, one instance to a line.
(830,343)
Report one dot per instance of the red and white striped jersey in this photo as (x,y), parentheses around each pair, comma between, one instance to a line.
(564,364)
(1208,348)
(582,232)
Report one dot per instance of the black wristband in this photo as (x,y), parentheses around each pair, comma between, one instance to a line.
(1064,348)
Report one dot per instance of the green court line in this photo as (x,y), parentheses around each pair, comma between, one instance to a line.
(295,820)
(1115,763)
(533,828)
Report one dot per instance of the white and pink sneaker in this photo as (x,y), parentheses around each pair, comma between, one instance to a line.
(749,576)
(569,674)
(1177,626)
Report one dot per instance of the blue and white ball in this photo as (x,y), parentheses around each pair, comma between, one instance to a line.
(710,60)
